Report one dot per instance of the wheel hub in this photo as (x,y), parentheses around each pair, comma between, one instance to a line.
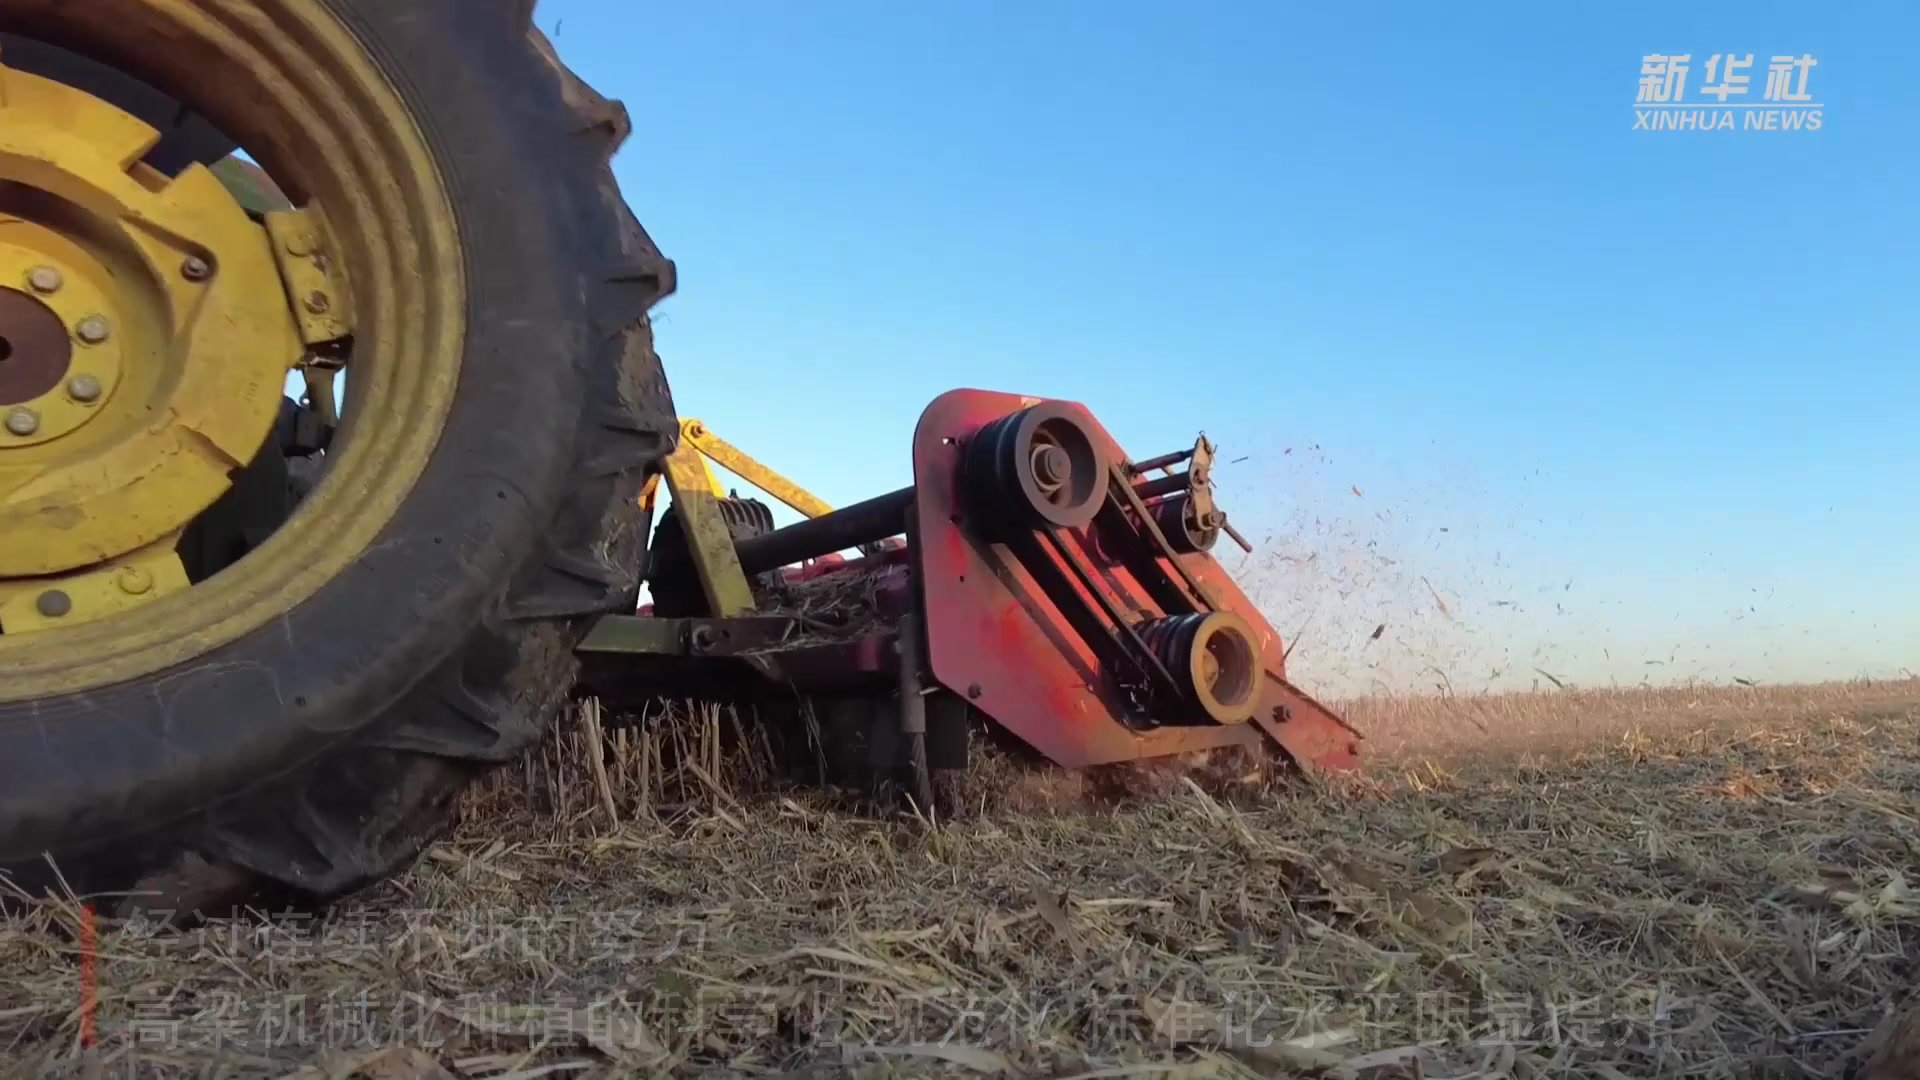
(34,350)
(59,358)
(144,342)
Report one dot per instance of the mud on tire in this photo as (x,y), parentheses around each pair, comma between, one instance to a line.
(523,527)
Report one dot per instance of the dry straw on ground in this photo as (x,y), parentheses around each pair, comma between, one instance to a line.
(1684,895)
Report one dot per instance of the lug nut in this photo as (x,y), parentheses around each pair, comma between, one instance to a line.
(84,388)
(44,279)
(195,269)
(93,329)
(23,422)
(53,603)
(133,581)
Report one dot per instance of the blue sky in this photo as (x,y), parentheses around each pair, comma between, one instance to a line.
(1656,388)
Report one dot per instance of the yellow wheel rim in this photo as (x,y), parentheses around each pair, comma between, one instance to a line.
(154,283)
(299,91)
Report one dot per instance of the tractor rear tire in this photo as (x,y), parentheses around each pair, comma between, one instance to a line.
(323,751)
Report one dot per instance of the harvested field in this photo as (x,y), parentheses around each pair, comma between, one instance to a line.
(1689,882)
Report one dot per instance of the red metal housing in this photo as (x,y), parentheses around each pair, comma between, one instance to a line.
(999,635)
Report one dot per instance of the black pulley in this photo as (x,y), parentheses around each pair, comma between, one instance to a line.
(1185,533)
(1214,659)
(1037,468)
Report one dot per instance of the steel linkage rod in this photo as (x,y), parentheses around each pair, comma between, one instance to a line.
(848,527)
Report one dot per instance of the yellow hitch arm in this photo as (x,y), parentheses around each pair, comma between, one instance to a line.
(734,460)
